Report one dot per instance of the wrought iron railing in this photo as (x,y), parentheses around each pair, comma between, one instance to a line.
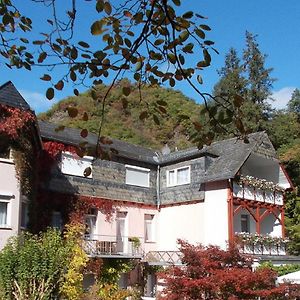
(103,245)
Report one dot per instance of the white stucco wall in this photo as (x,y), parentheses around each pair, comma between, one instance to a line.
(180,222)
(216,214)
(10,192)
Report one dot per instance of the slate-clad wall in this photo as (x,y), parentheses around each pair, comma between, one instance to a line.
(186,192)
(108,182)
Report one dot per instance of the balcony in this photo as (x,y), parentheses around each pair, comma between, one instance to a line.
(261,244)
(113,246)
(260,194)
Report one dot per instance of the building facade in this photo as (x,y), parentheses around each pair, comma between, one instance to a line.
(140,201)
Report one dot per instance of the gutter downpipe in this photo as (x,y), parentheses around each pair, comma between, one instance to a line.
(158,185)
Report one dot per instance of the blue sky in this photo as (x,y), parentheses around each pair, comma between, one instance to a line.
(276,22)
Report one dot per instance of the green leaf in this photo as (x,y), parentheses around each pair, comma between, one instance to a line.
(188,48)
(46,77)
(205,27)
(72,111)
(162,102)
(138,66)
(84,133)
(143,115)
(85,117)
(50,93)
(97,28)
(188,15)
(238,100)
(200,33)
(60,85)
(158,42)
(83,44)
(184,36)
(99,5)
(199,79)
(126,90)
(207,56)
(177,2)
(107,8)
(87,172)
(156,119)
(209,43)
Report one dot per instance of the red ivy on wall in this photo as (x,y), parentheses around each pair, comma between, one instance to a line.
(72,207)
(13,120)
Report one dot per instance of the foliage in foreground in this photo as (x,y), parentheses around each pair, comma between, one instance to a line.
(32,267)
(283,269)
(41,267)
(211,273)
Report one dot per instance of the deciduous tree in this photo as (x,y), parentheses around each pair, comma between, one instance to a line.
(212,273)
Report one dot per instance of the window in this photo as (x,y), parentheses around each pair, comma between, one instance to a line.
(72,164)
(149,228)
(90,223)
(137,176)
(245,223)
(56,220)
(24,213)
(5,211)
(179,176)
(3,214)
(5,152)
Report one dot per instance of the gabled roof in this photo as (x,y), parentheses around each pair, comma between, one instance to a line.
(226,157)
(71,136)
(10,96)
(232,154)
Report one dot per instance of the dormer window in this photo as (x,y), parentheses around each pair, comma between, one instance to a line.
(5,152)
(179,176)
(137,176)
(72,164)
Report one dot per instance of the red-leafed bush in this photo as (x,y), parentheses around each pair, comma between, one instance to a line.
(212,273)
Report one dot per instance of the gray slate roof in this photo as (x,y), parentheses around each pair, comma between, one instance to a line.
(72,136)
(10,96)
(227,156)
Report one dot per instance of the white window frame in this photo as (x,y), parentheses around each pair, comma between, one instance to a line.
(6,198)
(69,155)
(176,178)
(136,168)
(152,224)
(9,159)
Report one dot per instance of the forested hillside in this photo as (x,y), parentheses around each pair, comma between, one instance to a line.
(150,119)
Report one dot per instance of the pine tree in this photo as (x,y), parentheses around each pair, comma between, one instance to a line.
(259,82)
(294,103)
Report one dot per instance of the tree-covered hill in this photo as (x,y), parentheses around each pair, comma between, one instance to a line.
(150,117)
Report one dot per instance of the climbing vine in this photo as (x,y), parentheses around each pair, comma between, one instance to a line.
(16,132)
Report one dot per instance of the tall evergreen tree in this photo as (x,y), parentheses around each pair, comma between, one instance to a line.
(294,103)
(232,81)
(259,81)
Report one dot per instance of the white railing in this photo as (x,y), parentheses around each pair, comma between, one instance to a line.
(262,249)
(102,245)
(251,193)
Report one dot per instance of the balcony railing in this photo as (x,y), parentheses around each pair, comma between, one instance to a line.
(252,193)
(262,249)
(261,244)
(108,245)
